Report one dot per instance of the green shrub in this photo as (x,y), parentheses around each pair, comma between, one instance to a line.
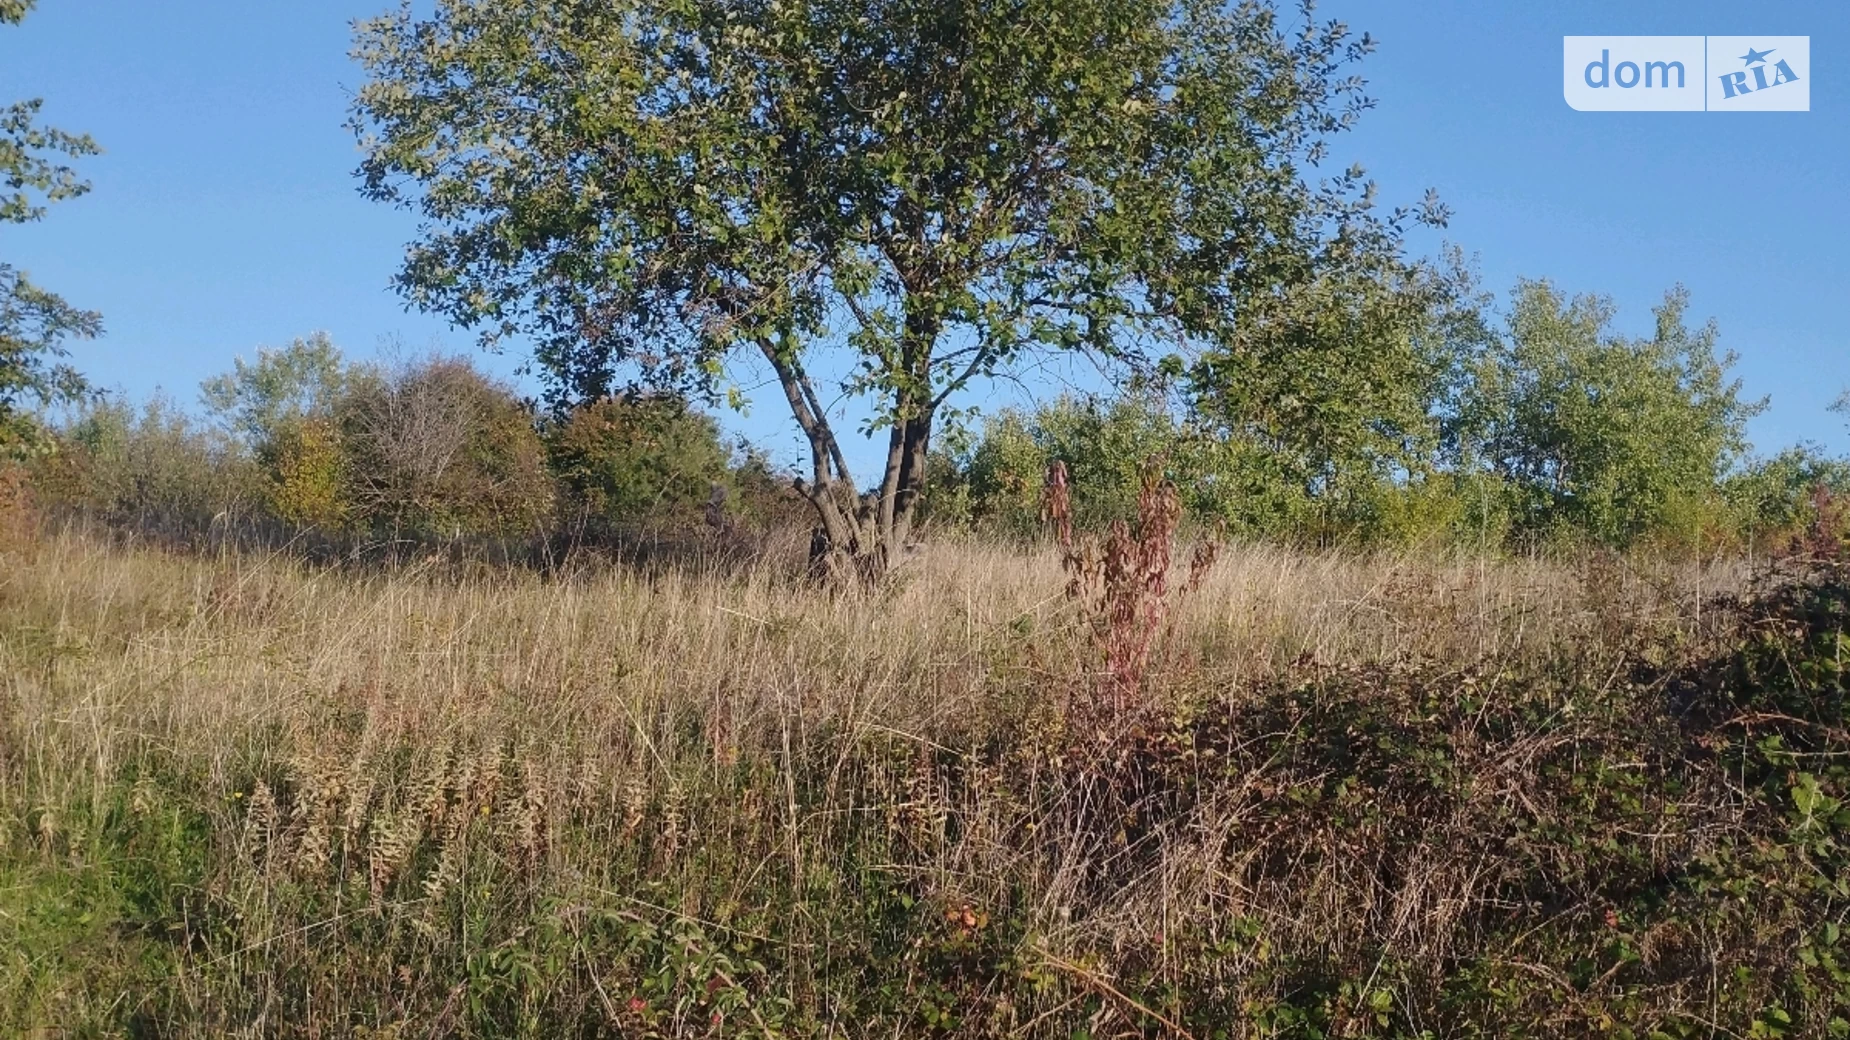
(1772,498)
(307,473)
(1104,443)
(630,459)
(260,400)
(1603,436)
(1224,482)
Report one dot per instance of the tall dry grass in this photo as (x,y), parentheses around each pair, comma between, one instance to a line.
(142,642)
(386,780)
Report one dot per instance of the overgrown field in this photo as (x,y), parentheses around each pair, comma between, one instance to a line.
(1348,796)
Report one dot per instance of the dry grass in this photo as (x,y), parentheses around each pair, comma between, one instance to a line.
(711,759)
(106,647)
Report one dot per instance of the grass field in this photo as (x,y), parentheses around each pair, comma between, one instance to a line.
(1352,796)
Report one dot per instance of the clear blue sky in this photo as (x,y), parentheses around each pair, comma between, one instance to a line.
(225,216)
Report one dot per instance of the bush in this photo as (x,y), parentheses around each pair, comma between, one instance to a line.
(438,450)
(1772,498)
(1223,482)
(432,449)
(428,450)
(307,473)
(260,400)
(1603,436)
(1105,445)
(154,469)
(626,460)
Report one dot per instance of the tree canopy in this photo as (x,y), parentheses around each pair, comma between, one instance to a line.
(666,188)
(35,324)
(281,387)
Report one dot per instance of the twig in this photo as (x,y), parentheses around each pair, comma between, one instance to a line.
(1092,980)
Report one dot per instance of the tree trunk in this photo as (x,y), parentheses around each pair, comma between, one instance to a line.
(858,538)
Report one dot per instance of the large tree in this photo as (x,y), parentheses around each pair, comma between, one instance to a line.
(945,188)
(34,323)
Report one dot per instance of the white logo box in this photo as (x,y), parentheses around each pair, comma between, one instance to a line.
(1687,73)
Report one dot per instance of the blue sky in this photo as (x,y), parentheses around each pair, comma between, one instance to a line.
(225,216)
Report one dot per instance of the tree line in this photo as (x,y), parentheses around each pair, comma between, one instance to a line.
(1550,431)
(415,452)
(1526,424)
(667,201)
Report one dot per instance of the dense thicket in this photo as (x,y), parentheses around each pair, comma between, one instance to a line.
(427,451)
(1552,430)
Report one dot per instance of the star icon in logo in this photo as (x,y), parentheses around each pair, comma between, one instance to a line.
(1754,57)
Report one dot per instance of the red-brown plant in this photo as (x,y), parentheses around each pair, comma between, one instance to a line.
(1827,537)
(1123,583)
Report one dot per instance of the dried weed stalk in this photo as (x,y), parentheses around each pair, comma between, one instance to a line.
(1123,583)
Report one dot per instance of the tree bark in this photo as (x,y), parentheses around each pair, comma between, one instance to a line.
(858,538)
